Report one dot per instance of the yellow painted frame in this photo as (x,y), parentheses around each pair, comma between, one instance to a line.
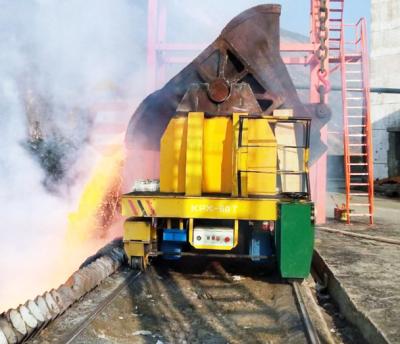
(194,154)
(137,231)
(134,249)
(166,206)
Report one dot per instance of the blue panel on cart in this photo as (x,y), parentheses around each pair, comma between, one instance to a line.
(171,251)
(260,245)
(176,235)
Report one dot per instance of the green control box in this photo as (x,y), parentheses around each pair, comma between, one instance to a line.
(294,239)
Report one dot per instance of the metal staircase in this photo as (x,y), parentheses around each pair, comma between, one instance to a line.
(358,163)
(348,52)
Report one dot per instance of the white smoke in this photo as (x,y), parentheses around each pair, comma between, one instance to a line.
(57,60)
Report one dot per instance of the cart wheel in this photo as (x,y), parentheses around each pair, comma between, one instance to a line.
(138,263)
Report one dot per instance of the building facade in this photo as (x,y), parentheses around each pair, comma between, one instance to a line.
(385,73)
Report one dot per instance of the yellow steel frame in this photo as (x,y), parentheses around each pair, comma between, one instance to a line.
(165,206)
(137,231)
(194,154)
(186,173)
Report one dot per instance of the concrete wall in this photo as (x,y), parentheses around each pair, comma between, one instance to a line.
(385,72)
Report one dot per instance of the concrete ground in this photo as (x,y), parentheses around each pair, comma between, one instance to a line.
(364,275)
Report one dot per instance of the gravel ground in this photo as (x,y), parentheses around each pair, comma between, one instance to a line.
(196,300)
(190,301)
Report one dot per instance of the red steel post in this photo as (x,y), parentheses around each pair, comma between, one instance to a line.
(364,43)
(318,171)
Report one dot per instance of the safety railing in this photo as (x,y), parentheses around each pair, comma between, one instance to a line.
(304,136)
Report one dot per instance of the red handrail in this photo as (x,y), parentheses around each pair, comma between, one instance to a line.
(358,53)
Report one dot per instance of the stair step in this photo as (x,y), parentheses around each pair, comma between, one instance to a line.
(357,164)
(356,126)
(358,184)
(353,80)
(353,54)
(334,20)
(357,144)
(354,131)
(357,154)
(335,39)
(353,72)
(355,107)
(359,204)
(354,98)
(353,63)
(359,215)
(354,89)
(336,10)
(357,135)
(359,194)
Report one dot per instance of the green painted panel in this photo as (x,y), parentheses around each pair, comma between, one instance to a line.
(294,239)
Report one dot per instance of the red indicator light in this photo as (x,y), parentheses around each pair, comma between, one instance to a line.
(227,239)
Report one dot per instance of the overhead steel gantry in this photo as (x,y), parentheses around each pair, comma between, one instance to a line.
(347,55)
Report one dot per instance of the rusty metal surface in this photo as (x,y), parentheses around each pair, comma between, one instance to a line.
(241,71)
(240,99)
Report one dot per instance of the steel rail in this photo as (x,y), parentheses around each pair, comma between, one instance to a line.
(76,332)
(310,330)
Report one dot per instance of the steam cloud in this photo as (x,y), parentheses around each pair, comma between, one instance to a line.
(57,61)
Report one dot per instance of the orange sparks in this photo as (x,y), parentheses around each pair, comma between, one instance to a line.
(98,205)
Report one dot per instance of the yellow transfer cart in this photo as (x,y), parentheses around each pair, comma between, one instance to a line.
(236,185)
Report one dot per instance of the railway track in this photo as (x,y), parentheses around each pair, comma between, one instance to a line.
(77,331)
(202,304)
(310,330)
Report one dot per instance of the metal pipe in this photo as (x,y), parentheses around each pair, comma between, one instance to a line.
(386,90)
